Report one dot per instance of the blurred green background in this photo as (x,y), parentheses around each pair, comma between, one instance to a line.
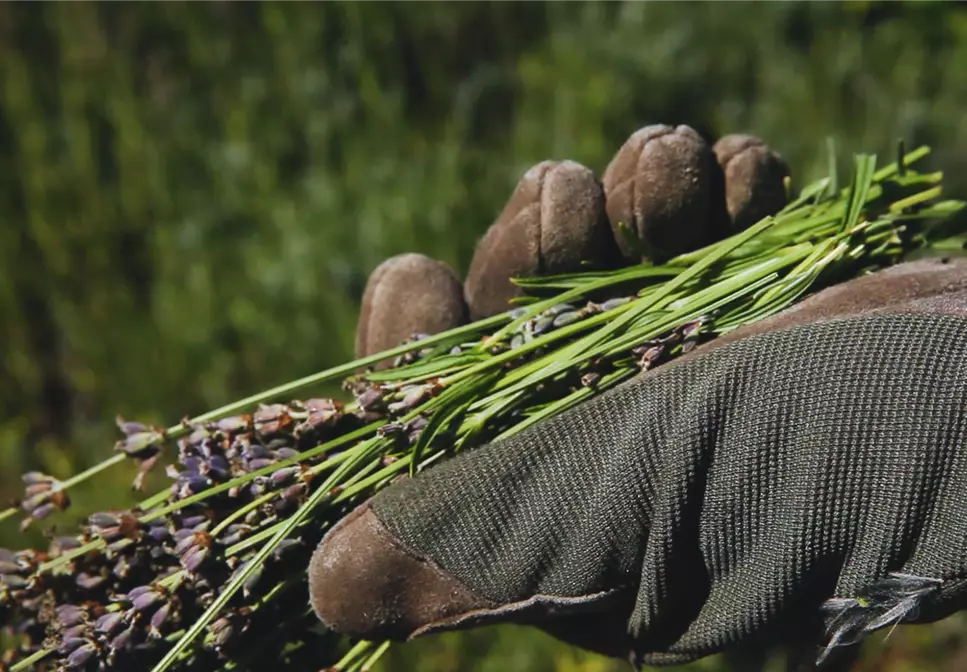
(192,195)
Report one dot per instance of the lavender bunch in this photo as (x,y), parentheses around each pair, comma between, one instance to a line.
(210,573)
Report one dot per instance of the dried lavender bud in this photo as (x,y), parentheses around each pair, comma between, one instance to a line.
(659,185)
(37,477)
(284,475)
(68,644)
(754,180)
(194,521)
(109,623)
(129,428)
(611,304)
(256,451)
(517,341)
(81,655)
(69,615)
(32,491)
(159,618)
(77,631)
(13,582)
(260,463)
(554,222)
(124,640)
(194,558)
(286,453)
(371,399)
(542,324)
(590,379)
(89,581)
(11,567)
(141,445)
(272,419)
(412,398)
(234,423)
(564,319)
(558,309)
(42,511)
(430,291)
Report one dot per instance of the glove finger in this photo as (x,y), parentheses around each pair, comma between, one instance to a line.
(365,581)
(553,223)
(659,185)
(751,180)
(407,295)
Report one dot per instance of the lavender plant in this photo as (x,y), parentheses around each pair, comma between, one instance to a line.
(209,573)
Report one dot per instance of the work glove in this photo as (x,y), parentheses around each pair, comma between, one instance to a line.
(798,480)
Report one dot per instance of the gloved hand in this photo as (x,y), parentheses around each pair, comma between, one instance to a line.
(759,489)
(674,192)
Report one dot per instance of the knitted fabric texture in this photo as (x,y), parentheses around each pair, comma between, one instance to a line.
(726,493)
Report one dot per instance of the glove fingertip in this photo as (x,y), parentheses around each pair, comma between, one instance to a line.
(365,583)
(754,179)
(658,184)
(406,295)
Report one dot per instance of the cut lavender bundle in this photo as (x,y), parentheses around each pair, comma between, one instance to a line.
(210,573)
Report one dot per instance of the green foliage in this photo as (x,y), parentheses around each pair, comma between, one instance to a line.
(192,194)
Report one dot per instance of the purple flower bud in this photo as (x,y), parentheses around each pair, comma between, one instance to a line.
(124,640)
(89,581)
(109,533)
(255,451)
(109,622)
(38,491)
(234,423)
(191,522)
(192,464)
(31,503)
(160,617)
(412,398)
(611,304)
(146,600)
(295,492)
(103,520)
(234,534)
(69,615)
(194,558)
(222,631)
(217,466)
(7,555)
(35,477)
(78,630)
(259,463)
(192,485)
(11,567)
(13,582)
(81,655)
(197,435)
(69,644)
(286,453)
(185,543)
(284,475)
(159,533)
(371,399)
(122,568)
(141,444)
(42,511)
(182,533)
